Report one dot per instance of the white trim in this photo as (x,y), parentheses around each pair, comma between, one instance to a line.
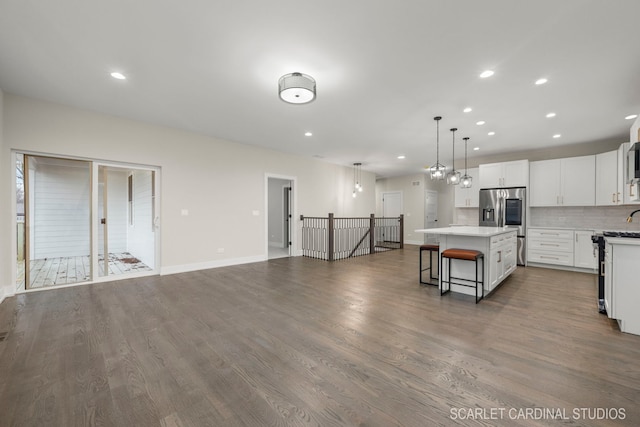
(293,249)
(414,242)
(185,268)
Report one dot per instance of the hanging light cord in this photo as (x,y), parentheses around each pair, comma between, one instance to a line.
(453,161)
(465,154)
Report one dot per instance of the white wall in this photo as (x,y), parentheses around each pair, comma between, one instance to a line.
(221,183)
(60,207)
(413,197)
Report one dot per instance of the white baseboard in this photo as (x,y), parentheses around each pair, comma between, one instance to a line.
(174,269)
(414,242)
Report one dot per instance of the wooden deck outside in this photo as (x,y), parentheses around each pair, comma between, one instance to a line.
(63,271)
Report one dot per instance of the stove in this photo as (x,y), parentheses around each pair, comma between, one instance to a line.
(631,234)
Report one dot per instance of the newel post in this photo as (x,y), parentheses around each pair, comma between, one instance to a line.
(372,237)
(330,237)
(401,231)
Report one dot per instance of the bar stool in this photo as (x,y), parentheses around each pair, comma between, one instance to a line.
(463,255)
(431,249)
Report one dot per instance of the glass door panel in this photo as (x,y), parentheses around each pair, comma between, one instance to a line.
(57,220)
(126,209)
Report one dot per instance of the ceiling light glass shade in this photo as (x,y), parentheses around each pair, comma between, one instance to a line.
(437,171)
(453,177)
(297,88)
(466,180)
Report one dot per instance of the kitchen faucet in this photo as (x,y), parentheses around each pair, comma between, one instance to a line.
(630,217)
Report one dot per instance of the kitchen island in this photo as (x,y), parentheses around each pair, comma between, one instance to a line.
(498,244)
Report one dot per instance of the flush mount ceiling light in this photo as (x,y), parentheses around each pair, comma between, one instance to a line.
(480,123)
(453,177)
(467,110)
(437,170)
(297,88)
(308,134)
(485,74)
(541,81)
(118,76)
(549,115)
(557,135)
(491,133)
(632,116)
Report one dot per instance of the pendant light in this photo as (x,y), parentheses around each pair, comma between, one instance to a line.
(357,177)
(437,170)
(453,177)
(466,180)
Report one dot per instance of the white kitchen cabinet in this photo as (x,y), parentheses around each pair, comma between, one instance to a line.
(550,246)
(608,179)
(468,197)
(505,174)
(584,255)
(621,290)
(563,182)
(503,257)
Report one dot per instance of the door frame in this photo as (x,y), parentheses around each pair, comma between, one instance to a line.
(293,248)
(94,166)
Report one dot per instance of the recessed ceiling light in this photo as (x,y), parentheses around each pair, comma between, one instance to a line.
(308,134)
(632,116)
(476,148)
(118,76)
(467,110)
(541,81)
(485,74)
(557,135)
(480,123)
(401,157)
(491,133)
(549,115)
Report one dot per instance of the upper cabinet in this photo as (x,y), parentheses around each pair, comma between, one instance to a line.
(468,197)
(505,174)
(563,182)
(609,176)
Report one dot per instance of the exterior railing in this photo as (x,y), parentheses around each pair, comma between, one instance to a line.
(334,238)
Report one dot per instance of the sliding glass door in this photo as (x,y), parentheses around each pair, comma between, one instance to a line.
(82,221)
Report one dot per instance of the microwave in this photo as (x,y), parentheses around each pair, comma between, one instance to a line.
(633,164)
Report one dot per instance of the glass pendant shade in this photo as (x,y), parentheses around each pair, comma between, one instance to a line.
(466,180)
(438,170)
(453,177)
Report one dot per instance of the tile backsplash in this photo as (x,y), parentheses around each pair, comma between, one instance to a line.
(593,217)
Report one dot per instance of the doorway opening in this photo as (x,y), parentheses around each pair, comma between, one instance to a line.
(430,215)
(80,221)
(280,211)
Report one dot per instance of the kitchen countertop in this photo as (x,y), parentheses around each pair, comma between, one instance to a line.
(467,231)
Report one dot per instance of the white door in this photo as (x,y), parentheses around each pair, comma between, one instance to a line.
(392,204)
(430,214)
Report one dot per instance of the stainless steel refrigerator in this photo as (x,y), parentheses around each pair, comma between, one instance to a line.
(506,207)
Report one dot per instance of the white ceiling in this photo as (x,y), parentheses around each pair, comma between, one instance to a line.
(383,68)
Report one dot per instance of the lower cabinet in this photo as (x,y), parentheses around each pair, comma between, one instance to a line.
(561,247)
(503,257)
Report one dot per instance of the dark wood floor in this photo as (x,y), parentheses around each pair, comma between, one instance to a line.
(296,341)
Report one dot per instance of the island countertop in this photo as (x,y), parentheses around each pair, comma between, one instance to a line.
(467,231)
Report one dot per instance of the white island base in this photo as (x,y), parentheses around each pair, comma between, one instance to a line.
(499,246)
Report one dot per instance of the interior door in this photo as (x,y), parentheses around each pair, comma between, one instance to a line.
(430,214)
